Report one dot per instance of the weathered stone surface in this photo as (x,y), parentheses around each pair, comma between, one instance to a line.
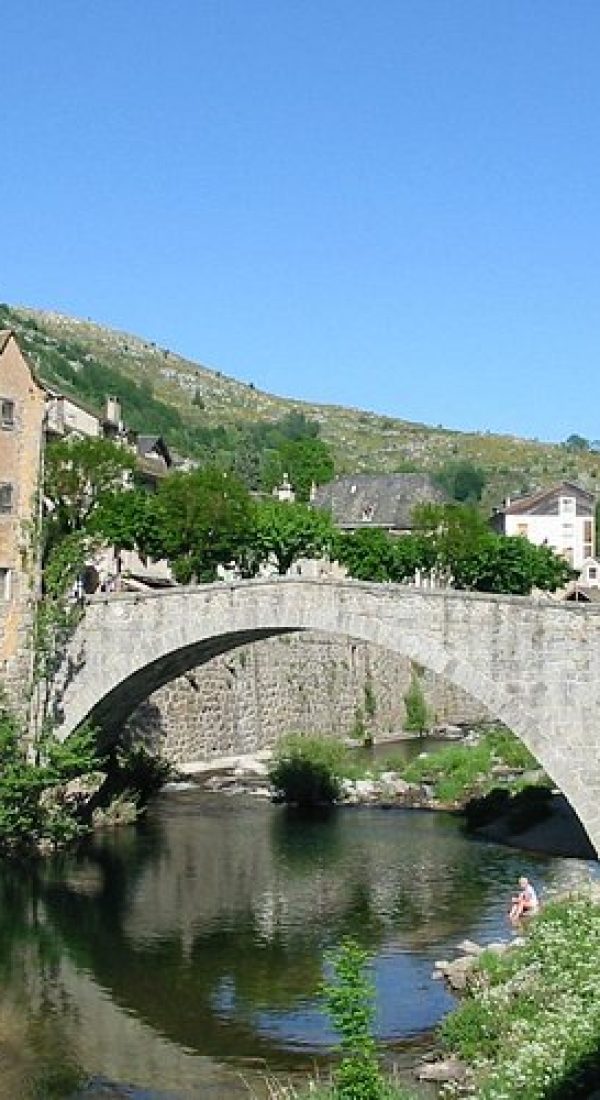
(450,1069)
(309,682)
(457,972)
(531,663)
(469,947)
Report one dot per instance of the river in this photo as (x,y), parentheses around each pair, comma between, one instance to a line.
(183,956)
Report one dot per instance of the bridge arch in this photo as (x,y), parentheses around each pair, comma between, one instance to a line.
(531,663)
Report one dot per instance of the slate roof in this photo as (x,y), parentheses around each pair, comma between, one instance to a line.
(377,500)
(152,447)
(536,502)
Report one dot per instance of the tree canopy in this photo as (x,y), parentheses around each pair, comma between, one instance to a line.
(454,541)
(77,474)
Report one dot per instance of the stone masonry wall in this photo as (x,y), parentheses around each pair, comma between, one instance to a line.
(20,450)
(312,683)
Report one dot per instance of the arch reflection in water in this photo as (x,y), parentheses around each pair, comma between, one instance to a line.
(201,934)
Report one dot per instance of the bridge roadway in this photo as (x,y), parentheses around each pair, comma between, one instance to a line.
(533,663)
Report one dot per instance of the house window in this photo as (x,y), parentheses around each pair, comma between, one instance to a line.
(568,531)
(368,513)
(4,583)
(6,498)
(588,538)
(522,529)
(567,506)
(592,573)
(7,413)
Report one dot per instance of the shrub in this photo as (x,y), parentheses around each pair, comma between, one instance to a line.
(306,770)
(418,718)
(140,772)
(31,806)
(349,999)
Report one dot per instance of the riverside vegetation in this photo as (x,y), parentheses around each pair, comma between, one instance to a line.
(528,1027)
(308,770)
(69,788)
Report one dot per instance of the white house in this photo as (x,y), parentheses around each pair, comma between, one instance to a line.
(562,517)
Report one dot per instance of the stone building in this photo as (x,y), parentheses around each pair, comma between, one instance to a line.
(22,406)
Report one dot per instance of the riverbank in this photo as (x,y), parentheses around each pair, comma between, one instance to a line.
(528,1027)
(484,775)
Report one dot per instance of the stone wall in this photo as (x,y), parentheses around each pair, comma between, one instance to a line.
(244,700)
(20,457)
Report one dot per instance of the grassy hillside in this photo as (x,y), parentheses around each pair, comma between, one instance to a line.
(187,403)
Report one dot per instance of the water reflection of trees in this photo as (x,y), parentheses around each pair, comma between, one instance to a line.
(218,912)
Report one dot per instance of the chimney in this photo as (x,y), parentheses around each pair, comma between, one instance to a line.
(113,411)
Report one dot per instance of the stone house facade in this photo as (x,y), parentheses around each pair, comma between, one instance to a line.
(22,408)
(561,516)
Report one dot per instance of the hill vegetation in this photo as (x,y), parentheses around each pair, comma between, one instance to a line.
(203,413)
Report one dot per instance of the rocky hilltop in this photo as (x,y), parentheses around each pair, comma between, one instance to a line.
(181,399)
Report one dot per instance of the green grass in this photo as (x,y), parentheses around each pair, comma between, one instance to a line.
(457,772)
(531,1026)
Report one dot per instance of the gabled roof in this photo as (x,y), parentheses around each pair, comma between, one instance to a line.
(146,444)
(532,501)
(377,500)
(8,334)
(59,395)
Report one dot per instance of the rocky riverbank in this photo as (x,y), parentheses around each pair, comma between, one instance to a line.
(528,1025)
(531,818)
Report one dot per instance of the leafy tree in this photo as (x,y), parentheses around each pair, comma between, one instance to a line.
(576,442)
(304,460)
(515,565)
(367,554)
(455,541)
(452,533)
(284,532)
(370,554)
(203,519)
(77,473)
(295,425)
(247,461)
(463,481)
(129,521)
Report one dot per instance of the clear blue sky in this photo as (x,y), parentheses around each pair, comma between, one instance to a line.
(392,204)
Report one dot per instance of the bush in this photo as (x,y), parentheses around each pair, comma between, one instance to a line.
(418,718)
(31,806)
(140,772)
(306,771)
(349,999)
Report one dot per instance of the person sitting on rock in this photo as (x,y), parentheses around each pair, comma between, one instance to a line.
(525,903)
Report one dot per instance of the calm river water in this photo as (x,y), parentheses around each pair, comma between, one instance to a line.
(182,956)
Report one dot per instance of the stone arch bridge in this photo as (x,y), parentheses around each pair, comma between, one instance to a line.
(533,663)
